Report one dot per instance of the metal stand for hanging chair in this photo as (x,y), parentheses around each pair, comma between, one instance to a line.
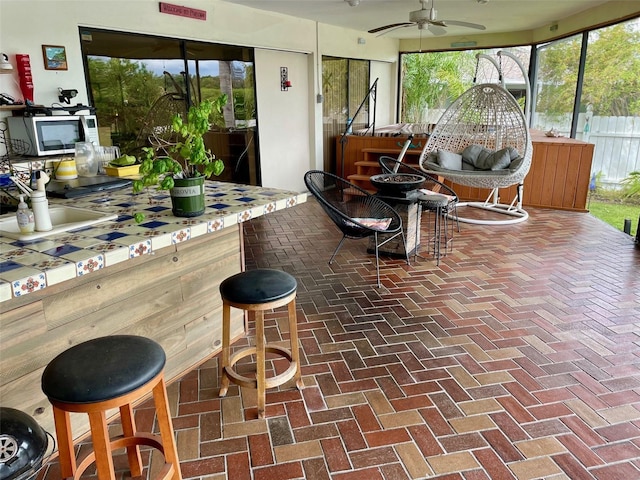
(489,116)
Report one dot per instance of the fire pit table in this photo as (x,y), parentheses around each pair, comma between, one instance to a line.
(396,185)
(400,190)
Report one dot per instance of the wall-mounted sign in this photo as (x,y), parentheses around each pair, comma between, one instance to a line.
(183,11)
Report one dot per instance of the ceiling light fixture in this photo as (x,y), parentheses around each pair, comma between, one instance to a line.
(482,2)
(353,3)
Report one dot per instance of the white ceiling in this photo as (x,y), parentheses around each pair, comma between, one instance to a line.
(497,15)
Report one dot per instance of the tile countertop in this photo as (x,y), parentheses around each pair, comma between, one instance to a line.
(26,267)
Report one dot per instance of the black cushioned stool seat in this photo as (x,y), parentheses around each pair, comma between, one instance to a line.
(259,290)
(101,374)
(258,286)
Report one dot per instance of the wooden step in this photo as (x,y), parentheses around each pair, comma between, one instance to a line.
(366,163)
(368,167)
(356,193)
(358,177)
(369,170)
(392,152)
(362,181)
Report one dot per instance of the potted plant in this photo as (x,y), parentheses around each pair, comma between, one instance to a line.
(183,166)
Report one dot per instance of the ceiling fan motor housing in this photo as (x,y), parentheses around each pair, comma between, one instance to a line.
(421,16)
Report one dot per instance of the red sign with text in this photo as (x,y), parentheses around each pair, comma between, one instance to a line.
(183,11)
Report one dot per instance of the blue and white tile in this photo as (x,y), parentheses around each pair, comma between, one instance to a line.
(142,247)
(269,208)
(244,216)
(90,265)
(29,284)
(181,235)
(215,225)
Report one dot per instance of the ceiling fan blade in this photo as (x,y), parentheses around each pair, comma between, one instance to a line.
(397,27)
(463,24)
(436,30)
(393,25)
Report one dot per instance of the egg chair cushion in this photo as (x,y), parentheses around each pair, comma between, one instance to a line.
(485,159)
(449,160)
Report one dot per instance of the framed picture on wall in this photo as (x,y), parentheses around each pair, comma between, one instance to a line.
(55,57)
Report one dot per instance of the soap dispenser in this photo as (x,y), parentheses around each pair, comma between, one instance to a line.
(24,216)
(40,203)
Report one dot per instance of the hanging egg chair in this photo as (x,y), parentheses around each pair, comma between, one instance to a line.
(483,140)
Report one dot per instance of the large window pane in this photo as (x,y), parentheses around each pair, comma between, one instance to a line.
(610,104)
(138,83)
(556,81)
(431,81)
(345,84)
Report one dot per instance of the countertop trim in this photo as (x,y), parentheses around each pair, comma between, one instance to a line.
(26,267)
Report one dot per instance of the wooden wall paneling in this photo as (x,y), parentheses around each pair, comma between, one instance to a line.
(21,323)
(73,299)
(561,189)
(568,162)
(548,175)
(534,181)
(171,296)
(37,350)
(506,195)
(26,395)
(558,178)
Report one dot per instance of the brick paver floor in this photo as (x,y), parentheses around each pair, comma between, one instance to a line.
(517,358)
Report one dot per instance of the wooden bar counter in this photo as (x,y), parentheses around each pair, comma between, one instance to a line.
(559,176)
(158,279)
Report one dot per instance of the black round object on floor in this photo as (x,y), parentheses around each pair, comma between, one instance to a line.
(23,444)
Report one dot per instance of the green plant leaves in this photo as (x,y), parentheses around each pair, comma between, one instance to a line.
(158,168)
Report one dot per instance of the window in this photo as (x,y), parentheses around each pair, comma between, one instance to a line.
(609,107)
(345,85)
(431,81)
(555,88)
(138,83)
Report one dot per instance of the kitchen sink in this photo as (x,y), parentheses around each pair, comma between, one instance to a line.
(63,219)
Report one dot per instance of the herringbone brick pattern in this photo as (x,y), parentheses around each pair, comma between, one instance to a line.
(517,358)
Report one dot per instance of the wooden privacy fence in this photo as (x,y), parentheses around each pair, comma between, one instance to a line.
(617,151)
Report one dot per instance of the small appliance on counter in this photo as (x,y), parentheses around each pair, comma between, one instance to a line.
(53,135)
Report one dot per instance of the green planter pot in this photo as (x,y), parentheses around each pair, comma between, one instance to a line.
(187,197)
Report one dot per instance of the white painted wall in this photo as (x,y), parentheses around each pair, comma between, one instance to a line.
(387,75)
(57,22)
(284,115)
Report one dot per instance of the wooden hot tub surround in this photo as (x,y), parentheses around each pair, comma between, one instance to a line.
(559,175)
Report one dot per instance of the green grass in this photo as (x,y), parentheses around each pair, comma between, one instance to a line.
(615,213)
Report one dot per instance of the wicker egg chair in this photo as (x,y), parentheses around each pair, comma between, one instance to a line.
(489,117)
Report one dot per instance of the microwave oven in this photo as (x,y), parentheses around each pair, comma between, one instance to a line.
(53,134)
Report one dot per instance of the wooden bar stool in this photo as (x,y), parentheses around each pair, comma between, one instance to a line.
(259,290)
(101,374)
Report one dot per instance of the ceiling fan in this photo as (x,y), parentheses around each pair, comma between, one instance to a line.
(427,18)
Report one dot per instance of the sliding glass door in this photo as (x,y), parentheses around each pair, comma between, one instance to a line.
(138,83)
(345,84)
